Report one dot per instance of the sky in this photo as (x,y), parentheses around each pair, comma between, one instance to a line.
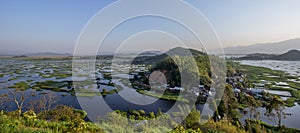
(55,25)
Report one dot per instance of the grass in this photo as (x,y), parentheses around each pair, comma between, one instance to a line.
(255,74)
(15,78)
(107,76)
(21,85)
(92,93)
(32,124)
(294,85)
(51,85)
(88,94)
(168,96)
(290,102)
(295,93)
(104,93)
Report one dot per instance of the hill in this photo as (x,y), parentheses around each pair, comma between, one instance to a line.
(268,48)
(257,56)
(151,53)
(165,63)
(293,55)
(142,59)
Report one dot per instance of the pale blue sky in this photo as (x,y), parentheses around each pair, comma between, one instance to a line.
(54,25)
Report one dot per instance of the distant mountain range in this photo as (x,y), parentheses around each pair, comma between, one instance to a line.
(48,54)
(151,53)
(292,55)
(37,54)
(268,48)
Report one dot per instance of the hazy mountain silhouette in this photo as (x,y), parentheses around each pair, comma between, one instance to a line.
(267,48)
(292,55)
(49,54)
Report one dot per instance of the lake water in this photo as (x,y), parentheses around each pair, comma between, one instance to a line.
(291,121)
(291,68)
(32,71)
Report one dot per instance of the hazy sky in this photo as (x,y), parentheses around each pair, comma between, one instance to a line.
(54,25)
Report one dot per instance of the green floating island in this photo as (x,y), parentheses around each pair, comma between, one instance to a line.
(51,85)
(21,85)
(92,93)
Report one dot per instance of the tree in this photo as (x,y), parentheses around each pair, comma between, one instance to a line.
(252,106)
(151,115)
(229,104)
(276,110)
(251,103)
(193,119)
(213,106)
(64,113)
(19,97)
(44,103)
(159,113)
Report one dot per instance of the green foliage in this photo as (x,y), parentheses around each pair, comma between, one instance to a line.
(151,115)
(30,123)
(275,109)
(193,119)
(229,105)
(255,74)
(290,102)
(252,104)
(63,113)
(51,85)
(173,66)
(21,85)
(29,115)
(221,127)
(260,127)
(165,96)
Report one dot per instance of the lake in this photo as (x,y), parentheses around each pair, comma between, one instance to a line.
(291,68)
(33,71)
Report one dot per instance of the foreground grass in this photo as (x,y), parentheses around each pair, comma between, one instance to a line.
(66,120)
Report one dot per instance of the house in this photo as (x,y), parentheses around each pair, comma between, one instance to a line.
(282,84)
(177,88)
(257,93)
(259,85)
(236,90)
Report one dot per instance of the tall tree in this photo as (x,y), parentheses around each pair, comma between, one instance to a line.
(229,104)
(276,110)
